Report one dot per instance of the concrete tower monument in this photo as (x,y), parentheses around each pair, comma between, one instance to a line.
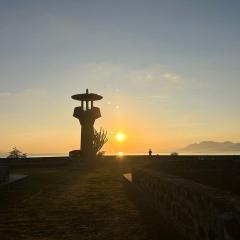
(87,114)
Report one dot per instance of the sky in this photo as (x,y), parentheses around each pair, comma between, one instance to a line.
(168,71)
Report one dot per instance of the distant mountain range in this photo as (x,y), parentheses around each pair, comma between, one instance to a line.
(212,147)
(3,154)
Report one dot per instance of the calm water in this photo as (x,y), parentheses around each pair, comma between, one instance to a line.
(130,154)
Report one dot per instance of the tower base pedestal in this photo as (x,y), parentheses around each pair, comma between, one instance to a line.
(78,156)
(75,155)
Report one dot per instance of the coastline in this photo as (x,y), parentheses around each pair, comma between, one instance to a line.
(54,155)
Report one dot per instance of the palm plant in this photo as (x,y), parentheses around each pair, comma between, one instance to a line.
(99,139)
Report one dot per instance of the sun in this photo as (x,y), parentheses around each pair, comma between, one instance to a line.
(120,154)
(120,137)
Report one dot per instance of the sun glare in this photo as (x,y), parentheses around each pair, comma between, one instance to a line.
(120,136)
(120,154)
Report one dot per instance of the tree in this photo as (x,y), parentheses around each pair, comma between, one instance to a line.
(99,139)
(15,153)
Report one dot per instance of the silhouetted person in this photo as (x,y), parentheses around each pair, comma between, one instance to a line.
(150,152)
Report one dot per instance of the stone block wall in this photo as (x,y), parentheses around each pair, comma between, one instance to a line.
(4,170)
(197,211)
(38,162)
(221,172)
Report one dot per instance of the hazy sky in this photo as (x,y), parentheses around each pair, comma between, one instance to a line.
(168,70)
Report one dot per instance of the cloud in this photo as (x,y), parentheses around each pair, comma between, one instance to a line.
(154,97)
(5,94)
(170,76)
(148,77)
(27,93)
(107,76)
(124,72)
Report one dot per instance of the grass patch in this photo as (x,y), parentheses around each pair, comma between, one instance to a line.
(69,203)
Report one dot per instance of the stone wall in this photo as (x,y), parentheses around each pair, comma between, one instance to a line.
(38,162)
(219,172)
(197,211)
(4,170)
(185,161)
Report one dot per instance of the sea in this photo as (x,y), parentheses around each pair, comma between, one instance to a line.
(3,155)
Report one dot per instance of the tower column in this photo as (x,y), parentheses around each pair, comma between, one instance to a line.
(87,118)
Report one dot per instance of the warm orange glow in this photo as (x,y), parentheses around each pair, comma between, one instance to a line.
(120,154)
(140,130)
(120,137)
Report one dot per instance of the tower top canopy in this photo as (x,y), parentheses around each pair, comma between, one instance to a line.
(87,96)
